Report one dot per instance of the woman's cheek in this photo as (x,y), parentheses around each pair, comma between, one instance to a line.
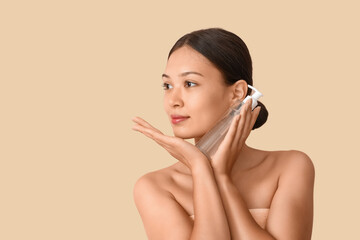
(207,117)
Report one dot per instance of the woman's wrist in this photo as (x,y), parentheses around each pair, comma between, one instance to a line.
(222,178)
(199,165)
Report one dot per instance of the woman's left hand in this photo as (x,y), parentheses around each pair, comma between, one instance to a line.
(182,150)
(224,158)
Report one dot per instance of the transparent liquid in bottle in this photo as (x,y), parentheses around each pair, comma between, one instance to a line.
(211,141)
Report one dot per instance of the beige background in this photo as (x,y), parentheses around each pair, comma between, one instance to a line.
(74,73)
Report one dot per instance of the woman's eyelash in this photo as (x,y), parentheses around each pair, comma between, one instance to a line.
(187,82)
(166,86)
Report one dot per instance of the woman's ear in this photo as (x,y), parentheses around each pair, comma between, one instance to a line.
(239,90)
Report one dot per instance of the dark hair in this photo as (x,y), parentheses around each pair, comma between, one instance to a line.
(228,53)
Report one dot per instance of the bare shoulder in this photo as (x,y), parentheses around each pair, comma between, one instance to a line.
(154,187)
(153,183)
(294,162)
(291,209)
(160,212)
(286,162)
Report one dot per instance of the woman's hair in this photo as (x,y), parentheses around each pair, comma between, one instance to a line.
(228,53)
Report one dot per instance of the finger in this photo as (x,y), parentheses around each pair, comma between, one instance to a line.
(246,105)
(150,133)
(156,136)
(244,112)
(229,137)
(254,116)
(246,130)
(143,130)
(167,142)
(142,122)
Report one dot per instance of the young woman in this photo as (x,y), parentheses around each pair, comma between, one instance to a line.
(239,192)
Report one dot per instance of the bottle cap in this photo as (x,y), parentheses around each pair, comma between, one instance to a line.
(255,96)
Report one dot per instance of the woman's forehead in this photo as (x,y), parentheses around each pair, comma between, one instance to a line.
(186,59)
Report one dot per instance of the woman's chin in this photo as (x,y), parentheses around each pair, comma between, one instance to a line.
(186,135)
(182,135)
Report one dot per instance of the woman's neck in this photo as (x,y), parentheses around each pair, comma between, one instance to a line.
(246,159)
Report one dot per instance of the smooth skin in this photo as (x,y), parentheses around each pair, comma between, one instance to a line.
(220,190)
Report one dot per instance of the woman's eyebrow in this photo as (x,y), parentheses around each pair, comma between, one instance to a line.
(183,74)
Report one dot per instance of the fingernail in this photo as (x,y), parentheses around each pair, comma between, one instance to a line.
(134,128)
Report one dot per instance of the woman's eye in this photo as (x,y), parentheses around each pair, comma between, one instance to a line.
(190,84)
(166,86)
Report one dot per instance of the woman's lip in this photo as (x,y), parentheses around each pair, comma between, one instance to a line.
(178,118)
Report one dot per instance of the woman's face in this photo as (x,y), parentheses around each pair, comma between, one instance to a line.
(196,95)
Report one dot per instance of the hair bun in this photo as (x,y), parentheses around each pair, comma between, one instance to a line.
(263,116)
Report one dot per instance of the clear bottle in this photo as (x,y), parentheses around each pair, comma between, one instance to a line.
(210,142)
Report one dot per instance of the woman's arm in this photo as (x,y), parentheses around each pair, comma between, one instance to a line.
(210,218)
(164,218)
(290,215)
(242,224)
(291,211)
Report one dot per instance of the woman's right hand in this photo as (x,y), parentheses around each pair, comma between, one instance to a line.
(180,149)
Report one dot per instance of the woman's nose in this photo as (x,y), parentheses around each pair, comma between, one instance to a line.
(176,99)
